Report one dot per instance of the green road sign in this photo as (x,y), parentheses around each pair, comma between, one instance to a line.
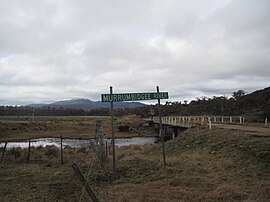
(133,96)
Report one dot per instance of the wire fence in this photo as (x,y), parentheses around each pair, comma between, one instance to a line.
(49,150)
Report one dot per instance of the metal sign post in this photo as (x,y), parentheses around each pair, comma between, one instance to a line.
(161,134)
(113,130)
(161,130)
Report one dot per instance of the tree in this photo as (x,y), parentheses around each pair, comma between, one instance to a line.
(238,94)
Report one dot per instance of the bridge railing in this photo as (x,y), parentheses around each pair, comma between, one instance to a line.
(189,121)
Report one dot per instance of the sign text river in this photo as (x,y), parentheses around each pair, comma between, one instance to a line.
(133,96)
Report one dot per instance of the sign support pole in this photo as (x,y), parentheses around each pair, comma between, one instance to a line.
(161,134)
(113,130)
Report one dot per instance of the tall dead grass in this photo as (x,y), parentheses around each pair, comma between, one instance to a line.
(218,165)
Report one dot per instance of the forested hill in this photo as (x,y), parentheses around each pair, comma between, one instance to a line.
(253,104)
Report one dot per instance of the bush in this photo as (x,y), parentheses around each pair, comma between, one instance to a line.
(16,152)
(52,151)
(123,128)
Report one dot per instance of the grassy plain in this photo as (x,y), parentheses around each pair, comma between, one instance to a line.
(202,165)
(21,128)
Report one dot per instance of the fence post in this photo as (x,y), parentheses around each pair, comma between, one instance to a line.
(62,161)
(265,122)
(28,159)
(210,125)
(106,149)
(2,157)
(109,149)
(100,141)
(230,119)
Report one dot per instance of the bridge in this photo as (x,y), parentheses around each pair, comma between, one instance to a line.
(190,121)
(173,125)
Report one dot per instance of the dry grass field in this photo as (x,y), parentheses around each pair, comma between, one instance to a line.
(21,128)
(202,165)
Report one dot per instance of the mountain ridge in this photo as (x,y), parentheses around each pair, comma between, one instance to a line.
(86,104)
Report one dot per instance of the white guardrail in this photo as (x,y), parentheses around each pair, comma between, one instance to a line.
(189,121)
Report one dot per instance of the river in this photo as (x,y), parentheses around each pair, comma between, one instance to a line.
(43,142)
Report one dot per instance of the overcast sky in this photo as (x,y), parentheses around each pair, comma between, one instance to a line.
(61,49)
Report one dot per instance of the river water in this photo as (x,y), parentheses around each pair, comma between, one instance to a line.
(43,142)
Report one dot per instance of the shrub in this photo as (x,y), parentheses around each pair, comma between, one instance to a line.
(123,128)
(16,152)
(52,151)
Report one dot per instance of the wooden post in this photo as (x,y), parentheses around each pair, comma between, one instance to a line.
(100,144)
(62,161)
(230,119)
(265,122)
(109,149)
(161,130)
(106,149)
(28,159)
(4,149)
(84,182)
(240,119)
(113,131)
(210,125)
(222,119)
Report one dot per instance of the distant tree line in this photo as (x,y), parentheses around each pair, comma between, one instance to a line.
(256,104)
(60,111)
(43,111)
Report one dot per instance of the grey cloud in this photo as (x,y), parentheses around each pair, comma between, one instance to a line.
(51,50)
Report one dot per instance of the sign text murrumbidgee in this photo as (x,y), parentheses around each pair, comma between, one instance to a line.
(133,96)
